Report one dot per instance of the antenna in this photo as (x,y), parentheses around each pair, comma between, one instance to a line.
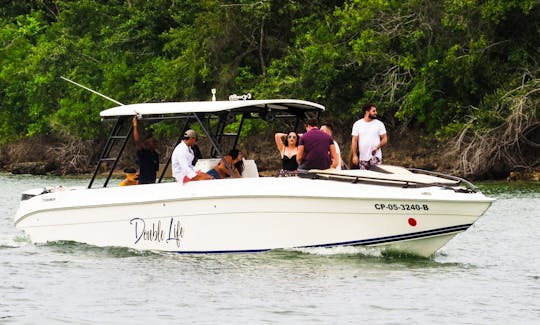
(213,94)
(91,90)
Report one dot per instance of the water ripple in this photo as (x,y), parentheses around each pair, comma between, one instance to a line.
(486,275)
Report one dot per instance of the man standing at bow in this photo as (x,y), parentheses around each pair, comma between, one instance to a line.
(368,137)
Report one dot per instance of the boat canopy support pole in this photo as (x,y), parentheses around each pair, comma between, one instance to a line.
(184,129)
(296,123)
(214,144)
(223,120)
(239,130)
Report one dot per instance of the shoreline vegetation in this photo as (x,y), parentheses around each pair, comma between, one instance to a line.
(75,157)
(457,83)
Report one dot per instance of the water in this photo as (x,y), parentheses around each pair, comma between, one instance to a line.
(488,275)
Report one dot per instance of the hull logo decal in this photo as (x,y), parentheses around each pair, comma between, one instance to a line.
(156,232)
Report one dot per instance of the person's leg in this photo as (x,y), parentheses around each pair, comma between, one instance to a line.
(202,177)
(213,172)
(364,165)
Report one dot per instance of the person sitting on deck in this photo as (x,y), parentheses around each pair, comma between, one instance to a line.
(197,153)
(234,159)
(182,159)
(131,177)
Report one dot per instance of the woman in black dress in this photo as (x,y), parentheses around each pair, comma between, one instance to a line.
(287,145)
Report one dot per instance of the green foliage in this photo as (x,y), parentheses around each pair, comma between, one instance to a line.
(437,65)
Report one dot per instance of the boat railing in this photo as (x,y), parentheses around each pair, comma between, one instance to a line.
(466,183)
(458,185)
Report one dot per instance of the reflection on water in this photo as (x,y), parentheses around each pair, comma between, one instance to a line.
(488,274)
(503,189)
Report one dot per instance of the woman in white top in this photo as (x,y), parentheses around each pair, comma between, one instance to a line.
(327,128)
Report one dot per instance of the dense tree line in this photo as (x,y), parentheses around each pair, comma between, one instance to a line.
(466,70)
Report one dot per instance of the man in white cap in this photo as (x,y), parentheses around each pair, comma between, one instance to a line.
(182,157)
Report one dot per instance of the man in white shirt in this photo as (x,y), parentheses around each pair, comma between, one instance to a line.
(368,137)
(182,157)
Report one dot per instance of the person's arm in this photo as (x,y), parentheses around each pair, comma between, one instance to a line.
(197,153)
(236,170)
(300,154)
(334,156)
(384,141)
(278,137)
(136,136)
(354,149)
(175,165)
(341,164)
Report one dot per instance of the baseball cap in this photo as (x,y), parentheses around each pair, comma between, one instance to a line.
(190,134)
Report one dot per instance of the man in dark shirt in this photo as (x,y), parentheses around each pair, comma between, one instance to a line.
(147,157)
(314,148)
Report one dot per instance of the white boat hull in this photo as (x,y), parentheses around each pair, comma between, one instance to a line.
(257,214)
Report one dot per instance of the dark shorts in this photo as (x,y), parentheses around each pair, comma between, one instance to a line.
(366,164)
(287,173)
(212,172)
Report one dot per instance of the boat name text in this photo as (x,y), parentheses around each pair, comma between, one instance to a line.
(155,232)
(402,207)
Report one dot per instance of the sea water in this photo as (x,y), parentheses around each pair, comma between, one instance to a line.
(489,274)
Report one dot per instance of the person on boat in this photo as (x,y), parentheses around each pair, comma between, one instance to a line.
(131,177)
(287,144)
(368,137)
(314,148)
(234,159)
(182,158)
(147,156)
(328,129)
(197,153)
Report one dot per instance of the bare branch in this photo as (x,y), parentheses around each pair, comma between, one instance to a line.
(477,152)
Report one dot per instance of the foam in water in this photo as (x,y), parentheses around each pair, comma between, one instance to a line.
(65,246)
(17,241)
(342,250)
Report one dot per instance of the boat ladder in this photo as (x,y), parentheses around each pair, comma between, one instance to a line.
(117,140)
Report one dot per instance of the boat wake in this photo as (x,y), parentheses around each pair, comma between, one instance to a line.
(342,250)
(71,247)
(16,242)
(362,251)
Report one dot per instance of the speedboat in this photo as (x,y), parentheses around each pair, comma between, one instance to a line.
(390,207)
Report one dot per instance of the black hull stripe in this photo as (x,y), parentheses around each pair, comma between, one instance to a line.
(371,241)
(389,239)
